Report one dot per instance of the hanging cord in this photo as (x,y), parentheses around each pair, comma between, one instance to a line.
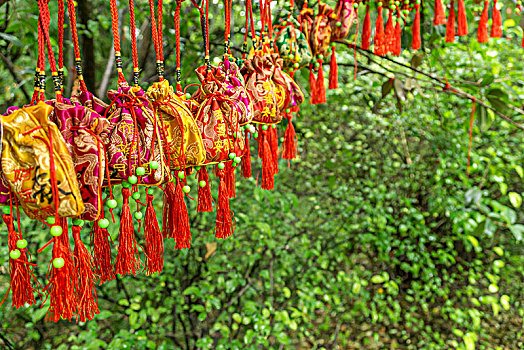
(156,30)
(76,46)
(177,42)
(134,50)
(227,9)
(116,41)
(61,12)
(38,81)
(204,24)
(251,24)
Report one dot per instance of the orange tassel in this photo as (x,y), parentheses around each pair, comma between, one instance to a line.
(415,42)
(153,240)
(450,26)
(390,34)
(101,241)
(62,280)
(439,13)
(86,301)
(379,41)
(333,70)
(321,84)
(168,215)
(366,31)
(224,224)
(182,231)
(482,32)
(273,143)
(246,159)
(268,172)
(496,26)
(127,259)
(19,270)
(313,84)
(230,179)
(462,19)
(398,39)
(205,202)
(289,150)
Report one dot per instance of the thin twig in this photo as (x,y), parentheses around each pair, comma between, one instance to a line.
(11,69)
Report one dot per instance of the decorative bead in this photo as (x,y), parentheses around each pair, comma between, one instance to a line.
(288,110)
(186,189)
(197,168)
(50,220)
(78,222)
(202,183)
(188,96)
(355,5)
(153,164)
(392,7)
(103,223)
(317,64)
(138,215)
(112,203)
(321,57)
(296,65)
(181,174)
(14,254)
(6,209)
(274,126)
(132,180)
(339,24)
(58,263)
(397,2)
(264,127)
(21,244)
(221,166)
(255,135)
(136,195)
(126,184)
(284,23)
(140,171)
(232,155)
(237,160)
(56,231)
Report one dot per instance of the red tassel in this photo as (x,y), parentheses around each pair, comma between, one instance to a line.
(168,218)
(333,70)
(366,31)
(246,159)
(182,232)
(313,84)
(153,240)
(289,150)
(415,42)
(496,25)
(205,203)
(62,280)
(439,13)
(101,241)
(86,301)
(268,172)
(321,84)
(273,143)
(482,32)
(390,34)
(398,39)
(230,179)
(127,259)
(224,223)
(19,270)
(462,19)
(380,40)
(450,26)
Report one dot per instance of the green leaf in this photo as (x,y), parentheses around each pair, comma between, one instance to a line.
(287,292)
(484,118)
(519,170)
(518,231)
(515,199)
(378,279)
(192,290)
(487,79)
(264,227)
(11,39)
(499,251)
(237,318)
(504,301)
(40,313)
(387,87)
(508,215)
(473,195)
(474,242)
(469,340)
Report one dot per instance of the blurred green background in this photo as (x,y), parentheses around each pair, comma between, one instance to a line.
(375,238)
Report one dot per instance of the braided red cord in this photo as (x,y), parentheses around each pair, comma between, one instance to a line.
(154,30)
(177,41)
(76,46)
(134,50)
(61,11)
(116,39)
(160,23)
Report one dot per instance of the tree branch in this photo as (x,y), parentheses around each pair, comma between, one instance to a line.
(11,69)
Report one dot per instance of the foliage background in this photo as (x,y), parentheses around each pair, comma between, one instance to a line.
(375,238)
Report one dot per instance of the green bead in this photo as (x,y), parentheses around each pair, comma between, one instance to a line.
(140,171)
(186,189)
(264,127)
(188,96)
(418,2)
(255,134)
(14,254)
(296,65)
(78,222)
(197,168)
(50,220)
(181,174)
(321,57)
(355,5)
(58,263)
(232,155)
(288,110)
(274,126)
(379,4)
(397,2)
(317,64)
(221,166)
(392,7)
(6,209)
(103,223)
(126,184)
(136,196)
(237,160)
(56,231)
(153,164)
(21,244)
(138,215)
(202,183)
(112,203)
(132,180)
